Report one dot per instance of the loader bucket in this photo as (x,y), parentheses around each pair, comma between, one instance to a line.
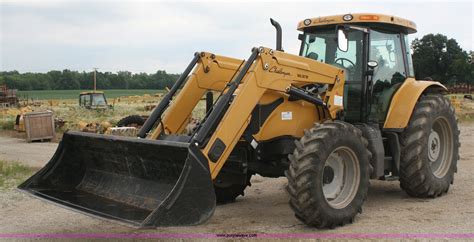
(145,183)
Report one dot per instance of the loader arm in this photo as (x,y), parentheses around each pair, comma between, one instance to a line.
(266,70)
(211,73)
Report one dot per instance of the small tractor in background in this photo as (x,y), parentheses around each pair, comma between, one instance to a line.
(93,100)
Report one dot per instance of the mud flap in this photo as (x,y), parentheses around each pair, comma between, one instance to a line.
(145,183)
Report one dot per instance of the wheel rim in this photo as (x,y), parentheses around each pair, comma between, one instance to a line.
(341,177)
(440,147)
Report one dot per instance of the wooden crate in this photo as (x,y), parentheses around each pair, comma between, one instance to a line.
(39,126)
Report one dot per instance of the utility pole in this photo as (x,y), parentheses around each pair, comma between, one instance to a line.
(95,80)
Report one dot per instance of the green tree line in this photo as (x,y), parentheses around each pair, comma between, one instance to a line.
(434,55)
(71,80)
(442,59)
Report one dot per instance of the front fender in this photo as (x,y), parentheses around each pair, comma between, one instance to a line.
(404,101)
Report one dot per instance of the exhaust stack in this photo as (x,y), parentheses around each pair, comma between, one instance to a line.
(278,34)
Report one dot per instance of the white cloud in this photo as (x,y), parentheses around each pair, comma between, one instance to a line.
(143,36)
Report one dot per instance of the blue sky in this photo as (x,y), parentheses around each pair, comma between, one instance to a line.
(144,36)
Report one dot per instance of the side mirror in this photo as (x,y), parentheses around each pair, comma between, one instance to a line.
(342,42)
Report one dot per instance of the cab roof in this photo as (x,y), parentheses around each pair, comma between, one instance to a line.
(360,18)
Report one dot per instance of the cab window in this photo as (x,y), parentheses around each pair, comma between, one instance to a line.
(321,46)
(85,100)
(386,50)
(411,72)
(98,100)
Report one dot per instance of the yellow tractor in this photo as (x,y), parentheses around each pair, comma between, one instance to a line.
(345,110)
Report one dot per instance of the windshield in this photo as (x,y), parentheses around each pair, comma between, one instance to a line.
(98,100)
(321,45)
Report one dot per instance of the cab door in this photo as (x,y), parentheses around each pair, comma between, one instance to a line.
(354,62)
(321,45)
(387,51)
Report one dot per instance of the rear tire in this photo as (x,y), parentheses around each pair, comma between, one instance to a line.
(332,152)
(131,121)
(430,148)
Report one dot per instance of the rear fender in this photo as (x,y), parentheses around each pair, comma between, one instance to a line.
(404,101)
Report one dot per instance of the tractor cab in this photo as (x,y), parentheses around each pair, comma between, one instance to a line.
(372,49)
(93,100)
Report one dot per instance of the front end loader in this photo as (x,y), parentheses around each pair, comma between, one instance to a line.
(343,111)
(167,180)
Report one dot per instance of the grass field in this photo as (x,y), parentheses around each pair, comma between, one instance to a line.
(12,173)
(74,94)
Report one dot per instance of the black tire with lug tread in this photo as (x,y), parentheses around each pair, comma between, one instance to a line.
(228,194)
(132,120)
(430,148)
(309,173)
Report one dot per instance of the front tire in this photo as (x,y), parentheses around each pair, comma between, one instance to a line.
(430,148)
(328,178)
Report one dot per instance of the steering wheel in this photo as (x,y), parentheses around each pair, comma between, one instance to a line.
(342,59)
(350,69)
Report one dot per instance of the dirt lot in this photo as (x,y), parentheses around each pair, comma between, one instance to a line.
(30,154)
(264,209)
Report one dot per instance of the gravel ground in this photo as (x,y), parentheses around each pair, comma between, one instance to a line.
(34,154)
(264,209)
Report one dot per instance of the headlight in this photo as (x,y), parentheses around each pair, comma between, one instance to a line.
(347,17)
